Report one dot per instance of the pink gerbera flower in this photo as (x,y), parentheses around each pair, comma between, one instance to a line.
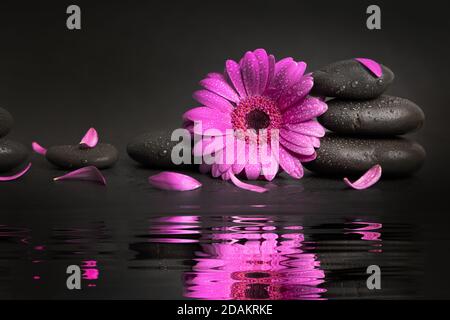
(261,104)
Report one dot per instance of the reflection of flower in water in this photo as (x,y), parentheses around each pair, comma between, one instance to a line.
(254,262)
(368,231)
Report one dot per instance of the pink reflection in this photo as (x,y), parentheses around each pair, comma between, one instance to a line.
(365,229)
(248,263)
(90,271)
(174,225)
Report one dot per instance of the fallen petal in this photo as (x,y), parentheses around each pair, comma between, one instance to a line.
(90,139)
(372,65)
(17,175)
(90,173)
(173,181)
(367,180)
(246,186)
(38,148)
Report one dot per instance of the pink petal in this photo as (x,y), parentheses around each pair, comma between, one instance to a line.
(234,73)
(246,186)
(263,63)
(208,145)
(281,76)
(296,93)
(89,173)
(306,158)
(250,73)
(173,181)
(205,113)
(310,108)
(215,170)
(221,87)
(367,180)
(296,138)
(253,166)
(38,148)
(215,75)
(212,128)
(309,128)
(297,149)
(315,142)
(372,65)
(290,164)
(214,101)
(90,139)
(17,175)
(271,71)
(270,165)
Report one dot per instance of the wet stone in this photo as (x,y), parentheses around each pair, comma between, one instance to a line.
(74,157)
(385,115)
(349,79)
(12,154)
(6,122)
(154,150)
(352,156)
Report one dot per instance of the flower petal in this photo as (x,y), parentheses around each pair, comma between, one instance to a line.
(269,165)
(221,87)
(246,186)
(212,128)
(263,64)
(367,180)
(372,65)
(234,73)
(296,93)
(90,139)
(315,142)
(174,181)
(290,164)
(253,166)
(311,107)
(296,138)
(280,80)
(208,145)
(306,158)
(213,101)
(38,148)
(297,149)
(89,173)
(250,73)
(17,175)
(205,113)
(309,128)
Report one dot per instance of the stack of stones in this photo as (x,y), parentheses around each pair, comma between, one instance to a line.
(12,153)
(365,123)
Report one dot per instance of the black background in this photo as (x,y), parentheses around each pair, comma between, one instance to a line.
(134,65)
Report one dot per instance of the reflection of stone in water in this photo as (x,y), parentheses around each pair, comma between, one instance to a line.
(255,265)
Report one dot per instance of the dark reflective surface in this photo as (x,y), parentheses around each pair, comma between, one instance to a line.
(212,257)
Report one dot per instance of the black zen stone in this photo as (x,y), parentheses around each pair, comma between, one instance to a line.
(349,79)
(74,157)
(154,149)
(6,122)
(351,156)
(382,116)
(12,154)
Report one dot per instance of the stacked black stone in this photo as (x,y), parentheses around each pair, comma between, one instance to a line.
(365,123)
(12,153)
